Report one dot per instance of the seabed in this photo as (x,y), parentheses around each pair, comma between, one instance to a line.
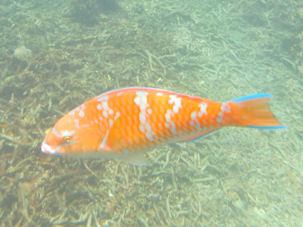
(54,55)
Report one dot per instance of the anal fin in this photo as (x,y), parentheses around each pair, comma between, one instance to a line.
(199,135)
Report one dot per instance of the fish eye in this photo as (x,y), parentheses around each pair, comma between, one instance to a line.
(66,139)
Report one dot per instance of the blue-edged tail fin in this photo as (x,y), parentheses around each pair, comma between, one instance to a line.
(253,111)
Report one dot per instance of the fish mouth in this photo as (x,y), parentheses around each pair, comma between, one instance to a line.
(45,148)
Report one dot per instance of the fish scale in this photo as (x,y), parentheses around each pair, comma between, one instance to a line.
(130,120)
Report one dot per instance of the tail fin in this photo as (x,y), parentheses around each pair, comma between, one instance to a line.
(253,111)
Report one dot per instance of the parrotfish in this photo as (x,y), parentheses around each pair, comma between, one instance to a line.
(130,120)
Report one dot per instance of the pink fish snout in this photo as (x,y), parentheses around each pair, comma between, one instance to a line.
(45,148)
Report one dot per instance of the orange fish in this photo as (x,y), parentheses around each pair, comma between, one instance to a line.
(126,121)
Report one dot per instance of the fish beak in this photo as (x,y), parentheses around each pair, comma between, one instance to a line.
(45,148)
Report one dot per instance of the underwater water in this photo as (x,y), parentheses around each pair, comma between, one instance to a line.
(54,55)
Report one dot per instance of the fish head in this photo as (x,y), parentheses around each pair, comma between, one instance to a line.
(67,137)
